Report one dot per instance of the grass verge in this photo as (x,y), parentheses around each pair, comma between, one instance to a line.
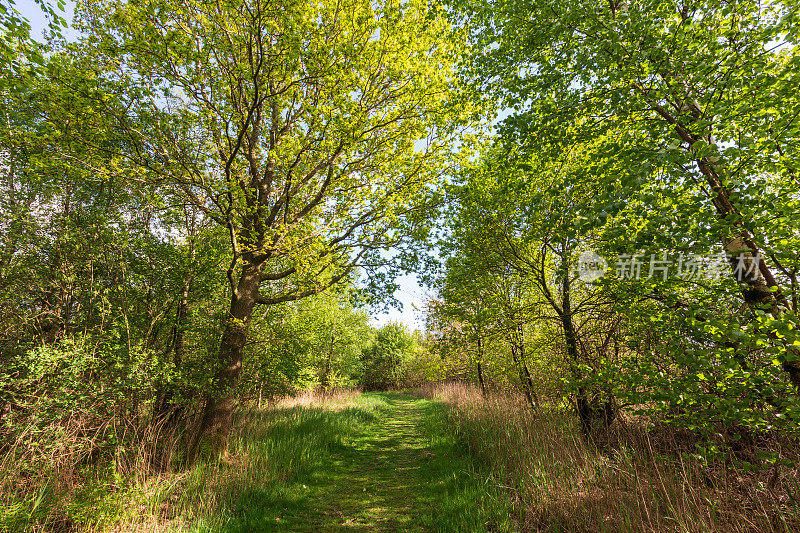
(371,462)
(635,481)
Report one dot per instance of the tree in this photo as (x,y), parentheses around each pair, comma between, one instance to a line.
(463,313)
(21,56)
(309,131)
(93,266)
(708,86)
(385,360)
(519,226)
(312,343)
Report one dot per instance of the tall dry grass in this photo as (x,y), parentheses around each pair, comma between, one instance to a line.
(629,480)
(333,400)
(76,472)
(137,482)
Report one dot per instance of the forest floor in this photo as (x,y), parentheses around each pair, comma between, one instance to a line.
(446,460)
(385,462)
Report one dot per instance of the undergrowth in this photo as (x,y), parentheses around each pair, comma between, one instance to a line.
(630,479)
(314,462)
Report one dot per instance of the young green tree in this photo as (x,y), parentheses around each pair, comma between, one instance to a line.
(709,86)
(385,360)
(311,343)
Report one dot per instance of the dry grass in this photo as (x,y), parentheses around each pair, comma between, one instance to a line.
(630,480)
(334,400)
(79,470)
(82,481)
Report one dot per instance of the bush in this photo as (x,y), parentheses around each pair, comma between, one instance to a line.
(77,411)
(386,360)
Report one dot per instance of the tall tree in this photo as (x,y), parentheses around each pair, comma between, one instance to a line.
(710,85)
(521,223)
(308,130)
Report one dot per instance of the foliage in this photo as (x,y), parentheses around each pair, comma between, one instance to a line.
(315,343)
(21,57)
(283,135)
(643,485)
(387,358)
(197,200)
(635,130)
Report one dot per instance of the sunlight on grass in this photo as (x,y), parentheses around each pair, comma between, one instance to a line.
(374,462)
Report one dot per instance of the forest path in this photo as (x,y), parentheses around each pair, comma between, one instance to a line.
(395,469)
(378,480)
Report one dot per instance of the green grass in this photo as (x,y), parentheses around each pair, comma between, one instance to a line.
(370,462)
(386,463)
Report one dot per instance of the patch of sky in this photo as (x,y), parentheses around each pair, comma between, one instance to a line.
(409,296)
(39,22)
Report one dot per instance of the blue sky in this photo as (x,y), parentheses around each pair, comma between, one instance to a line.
(412,296)
(31,11)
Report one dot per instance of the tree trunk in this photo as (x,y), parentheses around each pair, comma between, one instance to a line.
(167,411)
(524,362)
(215,423)
(744,256)
(757,294)
(480,367)
(326,372)
(524,375)
(588,406)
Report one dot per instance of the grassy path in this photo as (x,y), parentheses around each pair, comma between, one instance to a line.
(384,464)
